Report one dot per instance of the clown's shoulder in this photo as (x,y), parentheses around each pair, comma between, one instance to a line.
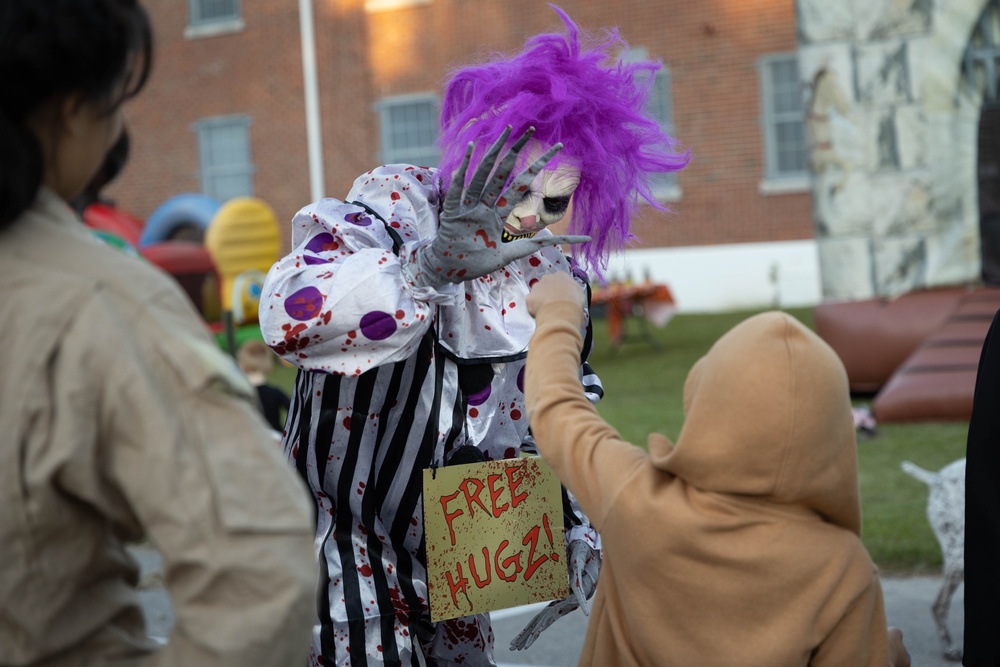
(404,197)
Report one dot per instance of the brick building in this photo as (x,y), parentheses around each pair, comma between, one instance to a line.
(227,113)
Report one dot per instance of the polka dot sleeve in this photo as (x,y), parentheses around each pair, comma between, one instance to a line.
(336,303)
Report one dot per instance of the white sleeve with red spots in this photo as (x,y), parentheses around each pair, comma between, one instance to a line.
(337,303)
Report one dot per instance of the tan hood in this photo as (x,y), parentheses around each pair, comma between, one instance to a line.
(768,414)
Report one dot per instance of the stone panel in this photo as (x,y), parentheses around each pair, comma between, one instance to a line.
(952,24)
(885,19)
(911,136)
(882,73)
(837,57)
(900,264)
(903,205)
(952,156)
(846,268)
(954,253)
(824,21)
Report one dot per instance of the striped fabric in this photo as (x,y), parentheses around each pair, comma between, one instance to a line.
(362,439)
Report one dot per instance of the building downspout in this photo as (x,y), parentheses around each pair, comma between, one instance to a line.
(310,81)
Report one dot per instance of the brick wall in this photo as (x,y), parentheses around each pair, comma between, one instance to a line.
(711,47)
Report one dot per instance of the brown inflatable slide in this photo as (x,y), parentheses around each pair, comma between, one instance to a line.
(917,353)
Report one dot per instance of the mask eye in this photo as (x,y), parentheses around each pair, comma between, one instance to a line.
(555,205)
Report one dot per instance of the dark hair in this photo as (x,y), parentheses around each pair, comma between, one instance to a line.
(99,49)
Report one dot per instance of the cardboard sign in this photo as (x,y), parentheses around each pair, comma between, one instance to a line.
(494,533)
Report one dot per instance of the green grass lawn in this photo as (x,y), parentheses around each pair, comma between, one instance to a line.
(644,385)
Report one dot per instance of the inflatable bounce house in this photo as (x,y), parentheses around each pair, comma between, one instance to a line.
(218,253)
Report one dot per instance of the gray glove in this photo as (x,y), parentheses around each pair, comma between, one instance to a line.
(584,566)
(468,242)
(543,619)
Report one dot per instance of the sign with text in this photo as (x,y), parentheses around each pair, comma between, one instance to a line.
(494,536)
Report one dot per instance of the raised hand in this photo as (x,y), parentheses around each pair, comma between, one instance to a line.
(468,242)
(553,287)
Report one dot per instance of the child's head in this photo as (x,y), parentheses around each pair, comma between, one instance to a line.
(254,357)
(587,99)
(66,66)
(767,413)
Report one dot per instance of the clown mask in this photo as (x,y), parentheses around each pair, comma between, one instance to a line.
(544,203)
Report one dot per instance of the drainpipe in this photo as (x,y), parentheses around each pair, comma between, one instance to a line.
(314,134)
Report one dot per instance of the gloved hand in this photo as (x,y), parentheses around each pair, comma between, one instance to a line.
(584,566)
(543,619)
(468,242)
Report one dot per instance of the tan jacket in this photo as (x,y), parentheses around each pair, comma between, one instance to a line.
(740,545)
(121,419)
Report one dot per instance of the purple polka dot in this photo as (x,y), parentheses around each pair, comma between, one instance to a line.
(310,259)
(304,304)
(377,325)
(520,380)
(480,396)
(320,242)
(359,219)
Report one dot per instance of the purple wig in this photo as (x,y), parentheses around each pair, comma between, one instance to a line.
(591,102)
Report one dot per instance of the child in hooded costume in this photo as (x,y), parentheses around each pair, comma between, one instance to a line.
(403,307)
(749,552)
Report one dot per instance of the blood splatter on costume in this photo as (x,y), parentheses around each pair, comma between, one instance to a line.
(404,307)
(403,380)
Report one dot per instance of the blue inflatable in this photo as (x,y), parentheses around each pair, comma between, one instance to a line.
(182,217)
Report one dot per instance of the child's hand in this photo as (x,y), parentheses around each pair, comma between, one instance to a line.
(555,287)
(898,655)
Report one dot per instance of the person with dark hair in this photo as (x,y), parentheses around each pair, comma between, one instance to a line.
(403,308)
(123,420)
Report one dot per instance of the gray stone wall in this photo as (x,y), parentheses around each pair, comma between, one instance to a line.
(893,136)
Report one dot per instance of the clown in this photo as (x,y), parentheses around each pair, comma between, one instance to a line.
(403,307)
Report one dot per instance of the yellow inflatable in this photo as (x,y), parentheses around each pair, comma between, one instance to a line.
(244,241)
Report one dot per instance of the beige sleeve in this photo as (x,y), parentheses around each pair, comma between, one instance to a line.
(587,453)
(861,636)
(204,478)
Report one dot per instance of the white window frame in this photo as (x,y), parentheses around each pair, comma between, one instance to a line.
(199,26)
(208,171)
(392,154)
(778,180)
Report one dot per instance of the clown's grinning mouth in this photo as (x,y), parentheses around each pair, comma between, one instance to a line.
(507,237)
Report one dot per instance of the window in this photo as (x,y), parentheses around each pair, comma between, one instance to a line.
(207,18)
(213,11)
(224,157)
(408,128)
(785,148)
(661,107)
